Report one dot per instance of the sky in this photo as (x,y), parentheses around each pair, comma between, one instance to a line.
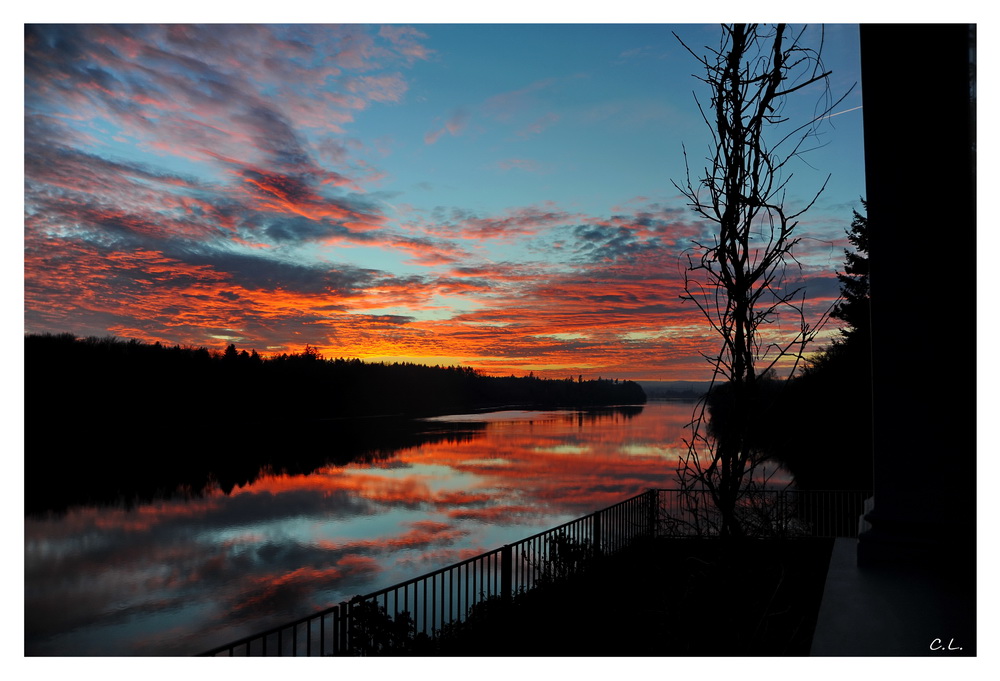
(493,195)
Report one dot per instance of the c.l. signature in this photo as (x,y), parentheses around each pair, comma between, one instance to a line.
(936,644)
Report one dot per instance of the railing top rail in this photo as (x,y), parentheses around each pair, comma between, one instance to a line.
(772,491)
(232,645)
(452,566)
(406,583)
(334,608)
(430,575)
(566,524)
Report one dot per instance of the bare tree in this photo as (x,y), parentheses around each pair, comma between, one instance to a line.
(737,277)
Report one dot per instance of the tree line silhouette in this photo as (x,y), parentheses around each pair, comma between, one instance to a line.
(818,424)
(107,418)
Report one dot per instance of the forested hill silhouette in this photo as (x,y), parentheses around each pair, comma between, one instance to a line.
(135,375)
(106,417)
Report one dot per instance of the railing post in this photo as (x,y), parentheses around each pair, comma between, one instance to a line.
(597,533)
(343,615)
(653,502)
(506,573)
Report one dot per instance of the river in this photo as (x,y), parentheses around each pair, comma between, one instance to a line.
(179,576)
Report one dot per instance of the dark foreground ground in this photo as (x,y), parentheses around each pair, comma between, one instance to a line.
(677,597)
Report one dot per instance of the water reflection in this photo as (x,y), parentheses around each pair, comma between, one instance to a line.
(180,576)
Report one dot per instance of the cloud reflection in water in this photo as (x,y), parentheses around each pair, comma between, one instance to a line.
(180,576)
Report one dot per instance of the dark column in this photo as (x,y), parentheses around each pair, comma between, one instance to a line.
(921,212)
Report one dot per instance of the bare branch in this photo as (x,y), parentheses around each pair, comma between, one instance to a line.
(737,283)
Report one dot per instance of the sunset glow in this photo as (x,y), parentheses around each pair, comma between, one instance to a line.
(395,193)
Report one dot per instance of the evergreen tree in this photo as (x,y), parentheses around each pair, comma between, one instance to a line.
(855,308)
(833,396)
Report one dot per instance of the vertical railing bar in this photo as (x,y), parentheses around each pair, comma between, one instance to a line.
(534,560)
(515,555)
(344,631)
(338,627)
(615,529)
(543,548)
(831,515)
(410,611)
(526,562)
(528,576)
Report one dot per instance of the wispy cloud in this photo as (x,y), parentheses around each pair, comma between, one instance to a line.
(453,126)
(538,125)
(525,164)
(505,105)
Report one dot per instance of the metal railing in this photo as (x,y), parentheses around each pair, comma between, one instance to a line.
(764,513)
(413,612)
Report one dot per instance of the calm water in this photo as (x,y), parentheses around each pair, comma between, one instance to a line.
(181,576)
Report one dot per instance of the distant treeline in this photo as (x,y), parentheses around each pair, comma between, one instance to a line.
(106,416)
(304,385)
(668,392)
